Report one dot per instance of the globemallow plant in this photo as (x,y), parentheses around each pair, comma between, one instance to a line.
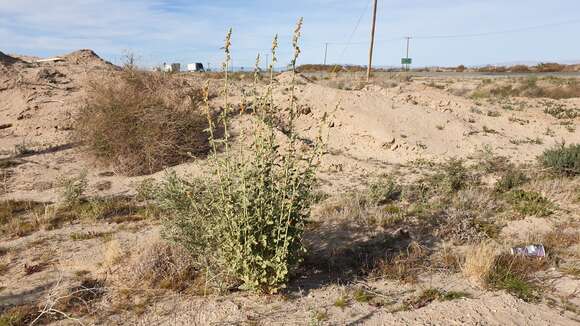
(244,225)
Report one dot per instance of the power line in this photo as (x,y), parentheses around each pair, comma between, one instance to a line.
(353,31)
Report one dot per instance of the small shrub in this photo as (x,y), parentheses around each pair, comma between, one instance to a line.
(454,176)
(558,111)
(510,180)
(488,162)
(514,274)
(384,190)
(73,188)
(15,217)
(530,203)
(141,122)
(563,160)
(244,226)
(488,130)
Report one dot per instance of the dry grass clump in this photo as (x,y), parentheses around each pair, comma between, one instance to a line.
(561,239)
(479,261)
(406,265)
(485,265)
(15,217)
(61,305)
(378,205)
(19,315)
(515,274)
(142,122)
(164,266)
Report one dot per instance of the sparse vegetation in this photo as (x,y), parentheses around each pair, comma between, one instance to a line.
(429,295)
(531,87)
(529,203)
(560,111)
(362,296)
(514,274)
(73,188)
(511,180)
(384,190)
(563,160)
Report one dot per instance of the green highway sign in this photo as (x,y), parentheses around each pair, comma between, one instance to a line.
(406,61)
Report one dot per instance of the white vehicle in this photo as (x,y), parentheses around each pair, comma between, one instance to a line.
(174,67)
(197,67)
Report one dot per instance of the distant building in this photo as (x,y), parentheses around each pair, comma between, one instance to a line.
(197,67)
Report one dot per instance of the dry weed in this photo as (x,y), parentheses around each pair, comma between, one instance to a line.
(142,122)
(479,262)
(113,254)
(164,266)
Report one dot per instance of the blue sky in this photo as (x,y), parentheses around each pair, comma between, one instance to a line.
(189,31)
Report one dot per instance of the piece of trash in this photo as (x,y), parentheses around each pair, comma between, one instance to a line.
(530,251)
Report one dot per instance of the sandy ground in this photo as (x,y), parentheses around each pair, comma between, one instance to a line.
(374,130)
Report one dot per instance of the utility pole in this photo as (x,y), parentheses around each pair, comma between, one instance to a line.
(325,52)
(372,40)
(408,40)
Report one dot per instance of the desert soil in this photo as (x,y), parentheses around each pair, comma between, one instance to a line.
(375,130)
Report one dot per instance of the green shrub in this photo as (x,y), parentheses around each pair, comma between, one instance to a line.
(73,188)
(530,203)
(454,176)
(515,275)
(384,190)
(563,160)
(512,179)
(244,226)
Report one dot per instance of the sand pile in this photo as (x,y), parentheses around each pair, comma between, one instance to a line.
(286,78)
(86,57)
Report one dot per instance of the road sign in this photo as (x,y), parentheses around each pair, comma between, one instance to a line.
(406,61)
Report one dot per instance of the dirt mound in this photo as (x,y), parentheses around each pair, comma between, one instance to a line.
(8,60)
(86,57)
(286,78)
